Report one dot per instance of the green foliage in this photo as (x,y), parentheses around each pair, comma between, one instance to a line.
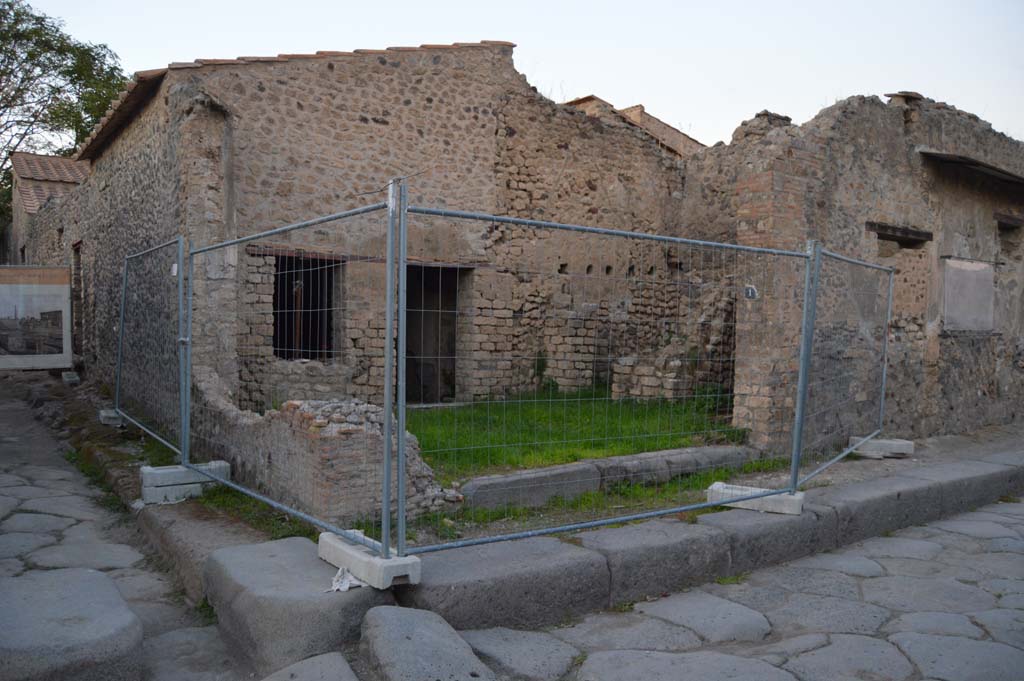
(53,88)
(548,427)
(259,515)
(734,579)
(207,615)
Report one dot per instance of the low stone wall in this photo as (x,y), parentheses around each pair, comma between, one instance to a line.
(323,457)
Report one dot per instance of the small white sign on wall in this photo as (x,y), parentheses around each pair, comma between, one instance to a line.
(968,296)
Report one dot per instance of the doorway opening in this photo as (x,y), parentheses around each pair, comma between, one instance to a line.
(432,327)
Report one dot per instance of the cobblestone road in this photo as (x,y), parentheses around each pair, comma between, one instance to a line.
(942,601)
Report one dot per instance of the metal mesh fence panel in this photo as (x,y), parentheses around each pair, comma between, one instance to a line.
(288,358)
(148,369)
(846,377)
(565,376)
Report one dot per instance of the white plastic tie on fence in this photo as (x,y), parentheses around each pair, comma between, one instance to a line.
(789,504)
(344,580)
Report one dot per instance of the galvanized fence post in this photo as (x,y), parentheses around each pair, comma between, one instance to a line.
(389,357)
(811,275)
(885,350)
(403,254)
(120,339)
(182,343)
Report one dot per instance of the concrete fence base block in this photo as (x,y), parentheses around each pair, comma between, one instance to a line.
(380,573)
(883,447)
(110,417)
(171,494)
(70,378)
(164,476)
(272,607)
(789,504)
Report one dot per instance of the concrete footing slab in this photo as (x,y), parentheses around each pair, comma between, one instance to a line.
(271,603)
(527,583)
(379,573)
(167,476)
(68,624)
(658,556)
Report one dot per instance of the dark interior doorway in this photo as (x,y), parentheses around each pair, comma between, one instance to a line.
(432,305)
(304,307)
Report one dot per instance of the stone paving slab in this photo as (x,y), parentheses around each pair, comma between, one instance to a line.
(627,631)
(35,522)
(14,544)
(656,666)
(714,619)
(326,667)
(33,492)
(68,624)
(525,655)
(942,623)
(75,507)
(853,657)
(810,613)
(406,644)
(95,555)
(856,566)
(189,654)
(961,659)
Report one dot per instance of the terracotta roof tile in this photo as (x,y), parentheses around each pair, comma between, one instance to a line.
(48,168)
(35,193)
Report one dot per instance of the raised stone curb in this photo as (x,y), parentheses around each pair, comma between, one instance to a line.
(760,539)
(969,484)
(528,583)
(405,644)
(874,507)
(658,556)
(186,535)
(69,624)
(536,487)
(271,602)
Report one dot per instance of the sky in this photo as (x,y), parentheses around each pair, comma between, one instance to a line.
(703,67)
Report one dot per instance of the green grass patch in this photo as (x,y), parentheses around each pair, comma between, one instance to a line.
(156,453)
(89,469)
(259,515)
(733,579)
(549,427)
(1009,499)
(207,615)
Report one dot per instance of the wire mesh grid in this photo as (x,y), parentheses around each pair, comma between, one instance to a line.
(566,377)
(288,364)
(845,388)
(148,373)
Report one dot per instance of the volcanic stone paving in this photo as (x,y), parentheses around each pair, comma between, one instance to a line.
(943,601)
(78,598)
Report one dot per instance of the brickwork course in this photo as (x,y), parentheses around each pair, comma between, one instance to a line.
(221,148)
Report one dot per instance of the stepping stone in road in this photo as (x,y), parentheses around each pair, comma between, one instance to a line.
(67,624)
(715,619)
